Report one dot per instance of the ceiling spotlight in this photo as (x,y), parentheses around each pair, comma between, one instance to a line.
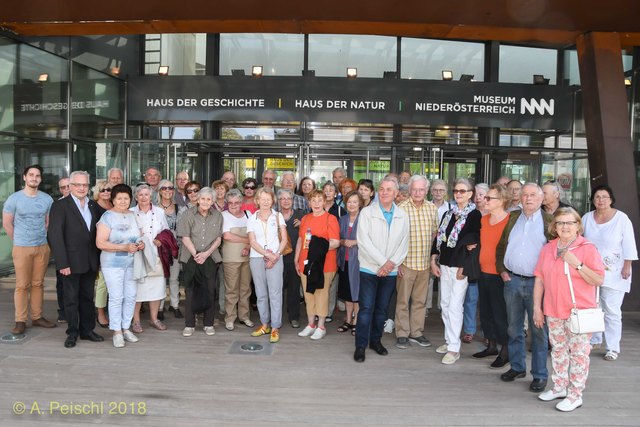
(163,70)
(447,75)
(627,81)
(43,77)
(308,73)
(256,71)
(466,78)
(538,79)
(237,72)
(115,71)
(390,75)
(352,72)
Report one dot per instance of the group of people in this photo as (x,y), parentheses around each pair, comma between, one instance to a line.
(509,248)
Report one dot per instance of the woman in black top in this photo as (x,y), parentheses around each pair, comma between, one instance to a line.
(459,232)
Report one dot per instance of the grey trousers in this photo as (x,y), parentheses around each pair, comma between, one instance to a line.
(268,284)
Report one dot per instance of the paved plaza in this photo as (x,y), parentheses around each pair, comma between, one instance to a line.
(166,379)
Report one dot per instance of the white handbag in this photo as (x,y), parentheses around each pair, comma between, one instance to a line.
(584,320)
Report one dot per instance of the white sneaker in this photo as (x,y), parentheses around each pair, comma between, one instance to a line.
(209,330)
(187,332)
(442,349)
(450,358)
(118,341)
(319,334)
(248,323)
(229,326)
(567,406)
(388,326)
(307,331)
(129,336)
(550,395)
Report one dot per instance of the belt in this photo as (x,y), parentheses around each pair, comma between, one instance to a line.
(522,276)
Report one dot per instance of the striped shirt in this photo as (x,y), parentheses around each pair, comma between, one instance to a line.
(423,224)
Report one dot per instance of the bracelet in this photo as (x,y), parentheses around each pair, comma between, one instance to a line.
(579,267)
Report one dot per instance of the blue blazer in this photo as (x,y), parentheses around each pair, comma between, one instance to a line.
(354,265)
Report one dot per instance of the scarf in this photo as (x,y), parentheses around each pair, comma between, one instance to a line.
(457,227)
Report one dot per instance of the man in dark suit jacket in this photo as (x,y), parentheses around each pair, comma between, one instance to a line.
(72,238)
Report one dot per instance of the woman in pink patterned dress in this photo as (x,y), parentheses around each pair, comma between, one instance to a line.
(569,253)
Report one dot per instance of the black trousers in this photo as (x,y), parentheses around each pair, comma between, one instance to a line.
(79,308)
(60,293)
(291,286)
(212,286)
(493,309)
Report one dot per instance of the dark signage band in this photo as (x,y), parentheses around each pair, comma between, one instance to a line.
(361,100)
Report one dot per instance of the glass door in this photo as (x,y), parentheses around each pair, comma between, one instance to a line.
(168,157)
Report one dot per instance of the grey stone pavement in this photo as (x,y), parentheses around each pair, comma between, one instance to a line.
(166,379)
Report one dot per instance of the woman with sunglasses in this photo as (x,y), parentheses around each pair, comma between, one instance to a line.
(250,186)
(191,189)
(493,309)
(102,195)
(166,201)
(459,230)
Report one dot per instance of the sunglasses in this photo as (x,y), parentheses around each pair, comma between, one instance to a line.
(191,191)
(460,191)
(105,190)
(64,187)
(167,188)
(489,198)
(249,187)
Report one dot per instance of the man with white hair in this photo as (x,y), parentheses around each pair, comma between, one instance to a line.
(269,179)
(383,243)
(414,272)
(552,195)
(115,176)
(338,175)
(288,182)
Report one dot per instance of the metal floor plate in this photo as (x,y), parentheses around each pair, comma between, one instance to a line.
(252,348)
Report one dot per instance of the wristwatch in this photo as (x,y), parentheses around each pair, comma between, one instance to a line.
(579,267)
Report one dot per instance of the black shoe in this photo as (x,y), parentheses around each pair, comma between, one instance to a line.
(499,363)
(161,315)
(378,348)
(70,342)
(538,385)
(92,336)
(485,353)
(511,375)
(178,313)
(61,318)
(358,356)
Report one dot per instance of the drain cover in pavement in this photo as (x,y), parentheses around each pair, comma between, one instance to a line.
(14,338)
(251,348)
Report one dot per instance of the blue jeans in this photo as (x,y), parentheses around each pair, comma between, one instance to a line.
(518,295)
(374,296)
(470,309)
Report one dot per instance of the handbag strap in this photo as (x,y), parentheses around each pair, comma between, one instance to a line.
(567,271)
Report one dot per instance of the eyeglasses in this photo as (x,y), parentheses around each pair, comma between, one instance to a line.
(563,223)
(460,191)
(249,187)
(75,184)
(192,190)
(284,198)
(601,197)
(105,190)
(167,188)
(64,187)
(489,198)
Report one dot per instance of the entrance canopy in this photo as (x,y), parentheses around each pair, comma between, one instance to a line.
(554,23)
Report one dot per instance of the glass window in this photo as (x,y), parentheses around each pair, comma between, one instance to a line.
(426,58)
(8,57)
(331,54)
(278,54)
(519,64)
(185,54)
(571,68)
(260,131)
(334,132)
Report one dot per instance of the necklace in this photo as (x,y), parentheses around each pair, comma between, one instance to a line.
(165,207)
(562,249)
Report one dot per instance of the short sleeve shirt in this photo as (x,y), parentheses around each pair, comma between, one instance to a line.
(266,234)
(123,229)
(325,226)
(29,215)
(202,230)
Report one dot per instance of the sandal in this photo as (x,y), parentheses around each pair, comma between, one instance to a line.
(137,328)
(611,356)
(345,327)
(158,325)
(353,330)
(467,338)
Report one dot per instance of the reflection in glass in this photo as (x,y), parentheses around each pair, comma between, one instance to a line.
(518,64)
(185,54)
(426,58)
(331,54)
(278,54)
